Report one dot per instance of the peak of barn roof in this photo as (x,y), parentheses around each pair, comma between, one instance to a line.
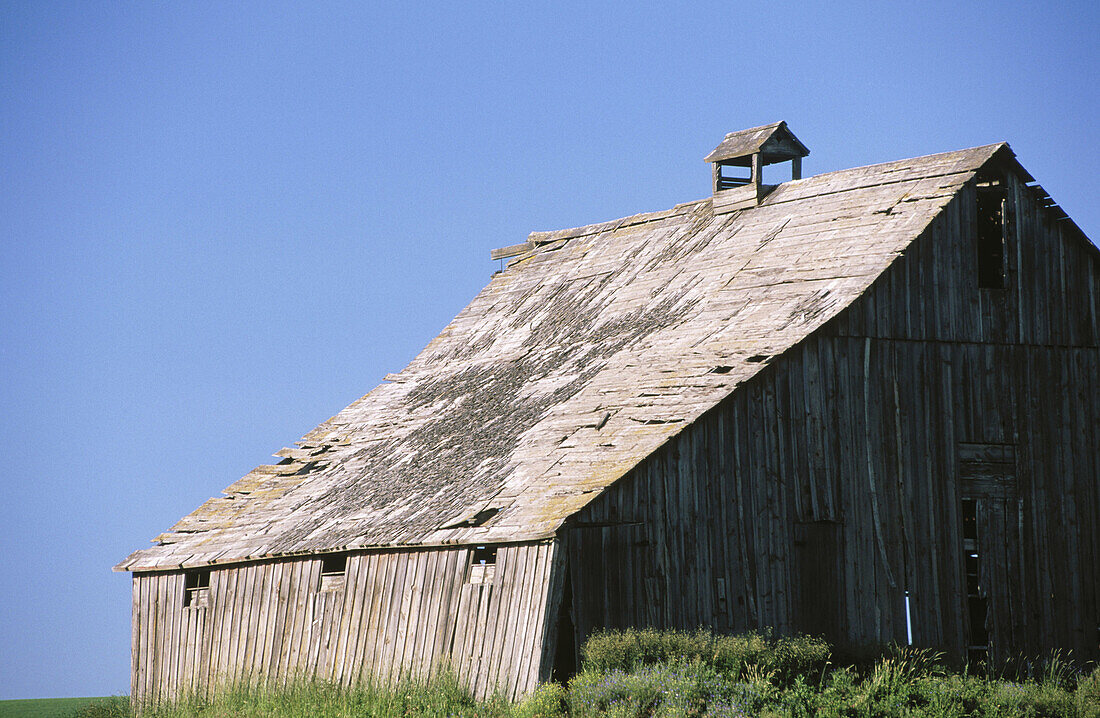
(592,349)
(775,141)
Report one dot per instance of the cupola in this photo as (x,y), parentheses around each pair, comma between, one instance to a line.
(751,149)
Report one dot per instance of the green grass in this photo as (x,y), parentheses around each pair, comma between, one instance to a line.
(670,674)
(58,707)
(442,697)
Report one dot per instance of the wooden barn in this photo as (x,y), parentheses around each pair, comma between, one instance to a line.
(860,404)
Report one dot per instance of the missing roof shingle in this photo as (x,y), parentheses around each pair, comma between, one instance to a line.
(478,519)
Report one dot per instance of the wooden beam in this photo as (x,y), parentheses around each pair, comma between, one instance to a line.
(513,251)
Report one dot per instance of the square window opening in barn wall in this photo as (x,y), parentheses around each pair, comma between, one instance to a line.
(483,565)
(196,588)
(333,570)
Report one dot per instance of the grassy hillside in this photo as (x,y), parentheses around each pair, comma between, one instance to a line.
(652,674)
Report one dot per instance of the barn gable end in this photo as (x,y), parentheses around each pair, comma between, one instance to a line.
(933,429)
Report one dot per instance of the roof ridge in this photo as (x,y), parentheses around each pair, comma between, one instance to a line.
(538,237)
(546,236)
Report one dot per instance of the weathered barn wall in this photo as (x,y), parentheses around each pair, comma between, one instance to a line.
(397,613)
(1017,373)
(836,480)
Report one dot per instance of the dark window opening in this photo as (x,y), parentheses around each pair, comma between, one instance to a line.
(331,565)
(485,555)
(333,569)
(977,603)
(991,219)
(196,588)
(483,560)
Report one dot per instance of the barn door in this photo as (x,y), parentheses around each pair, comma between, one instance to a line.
(992,516)
(817,558)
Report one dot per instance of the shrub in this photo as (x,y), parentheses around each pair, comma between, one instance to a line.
(783,658)
(671,690)
(1087,696)
(548,701)
(798,656)
(1043,700)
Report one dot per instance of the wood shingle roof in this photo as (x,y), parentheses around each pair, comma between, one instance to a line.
(592,349)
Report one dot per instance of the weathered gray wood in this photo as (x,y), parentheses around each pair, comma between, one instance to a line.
(833,233)
(511,251)
(358,621)
(775,139)
(945,380)
(387,575)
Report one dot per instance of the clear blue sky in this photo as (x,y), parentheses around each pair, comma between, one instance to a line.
(220,223)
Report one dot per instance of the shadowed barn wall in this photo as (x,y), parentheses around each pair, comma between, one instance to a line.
(931,421)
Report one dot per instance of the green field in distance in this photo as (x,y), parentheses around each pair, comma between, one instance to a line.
(45,707)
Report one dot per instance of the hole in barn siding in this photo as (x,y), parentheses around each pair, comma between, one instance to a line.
(196,588)
(483,565)
(333,570)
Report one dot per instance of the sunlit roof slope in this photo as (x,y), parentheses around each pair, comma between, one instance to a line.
(573,365)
